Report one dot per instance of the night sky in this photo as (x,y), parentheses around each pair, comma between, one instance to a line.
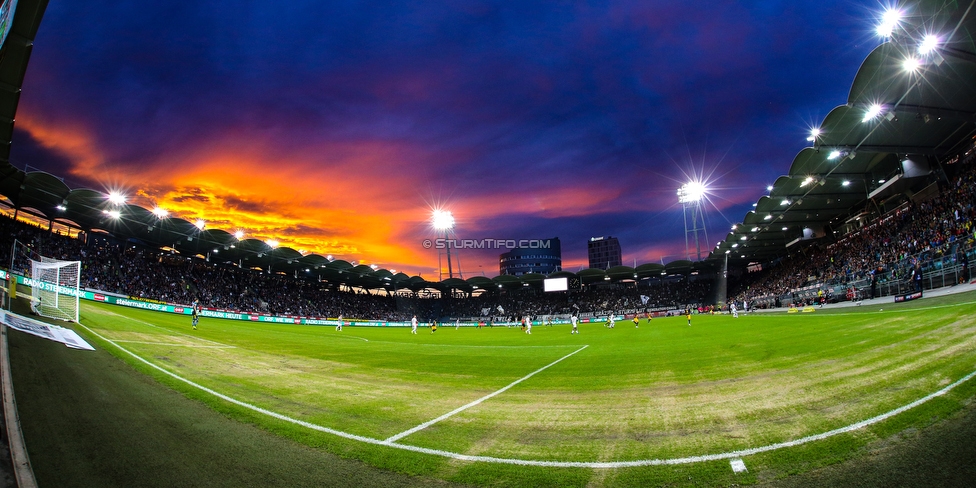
(335,127)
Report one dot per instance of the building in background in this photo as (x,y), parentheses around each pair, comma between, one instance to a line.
(543,256)
(604,252)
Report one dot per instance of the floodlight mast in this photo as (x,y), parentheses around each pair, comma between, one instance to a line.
(690,195)
(444,220)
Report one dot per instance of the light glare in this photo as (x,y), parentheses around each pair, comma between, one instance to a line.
(929,43)
(889,22)
(442,220)
(200,223)
(911,65)
(691,192)
(116,198)
(873,111)
(160,212)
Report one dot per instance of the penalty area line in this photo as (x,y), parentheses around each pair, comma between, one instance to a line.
(175,344)
(549,464)
(149,324)
(478,401)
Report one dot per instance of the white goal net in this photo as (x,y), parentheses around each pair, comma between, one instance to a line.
(55,290)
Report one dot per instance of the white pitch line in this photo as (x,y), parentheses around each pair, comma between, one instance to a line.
(425,344)
(476,402)
(143,322)
(352,337)
(175,344)
(550,464)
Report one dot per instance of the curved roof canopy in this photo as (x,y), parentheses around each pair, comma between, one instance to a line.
(897,125)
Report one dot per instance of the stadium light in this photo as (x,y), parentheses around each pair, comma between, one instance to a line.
(873,111)
(160,212)
(911,65)
(691,192)
(814,134)
(442,220)
(239,234)
(890,20)
(200,224)
(115,214)
(61,208)
(846,183)
(769,187)
(116,198)
(271,243)
(929,43)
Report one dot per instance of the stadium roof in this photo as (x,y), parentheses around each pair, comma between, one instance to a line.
(922,118)
(898,125)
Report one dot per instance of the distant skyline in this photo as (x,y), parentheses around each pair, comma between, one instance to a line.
(338,128)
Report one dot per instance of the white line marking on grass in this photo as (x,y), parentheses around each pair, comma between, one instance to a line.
(347,337)
(471,345)
(551,464)
(174,344)
(476,402)
(143,322)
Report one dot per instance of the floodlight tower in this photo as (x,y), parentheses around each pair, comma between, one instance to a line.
(443,220)
(690,196)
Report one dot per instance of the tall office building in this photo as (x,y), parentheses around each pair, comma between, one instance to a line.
(604,252)
(544,256)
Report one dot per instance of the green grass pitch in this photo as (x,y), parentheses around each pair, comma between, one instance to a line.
(663,391)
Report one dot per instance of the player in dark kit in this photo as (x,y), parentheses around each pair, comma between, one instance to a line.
(195,313)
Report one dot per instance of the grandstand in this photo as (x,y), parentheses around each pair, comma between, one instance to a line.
(861,213)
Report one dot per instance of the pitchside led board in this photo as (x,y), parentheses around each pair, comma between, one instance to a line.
(555,284)
(7,9)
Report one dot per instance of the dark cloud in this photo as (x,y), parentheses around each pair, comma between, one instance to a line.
(494,98)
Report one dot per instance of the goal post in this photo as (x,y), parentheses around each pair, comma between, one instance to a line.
(54,283)
(55,290)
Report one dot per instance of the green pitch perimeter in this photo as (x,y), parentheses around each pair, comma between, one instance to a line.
(662,392)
